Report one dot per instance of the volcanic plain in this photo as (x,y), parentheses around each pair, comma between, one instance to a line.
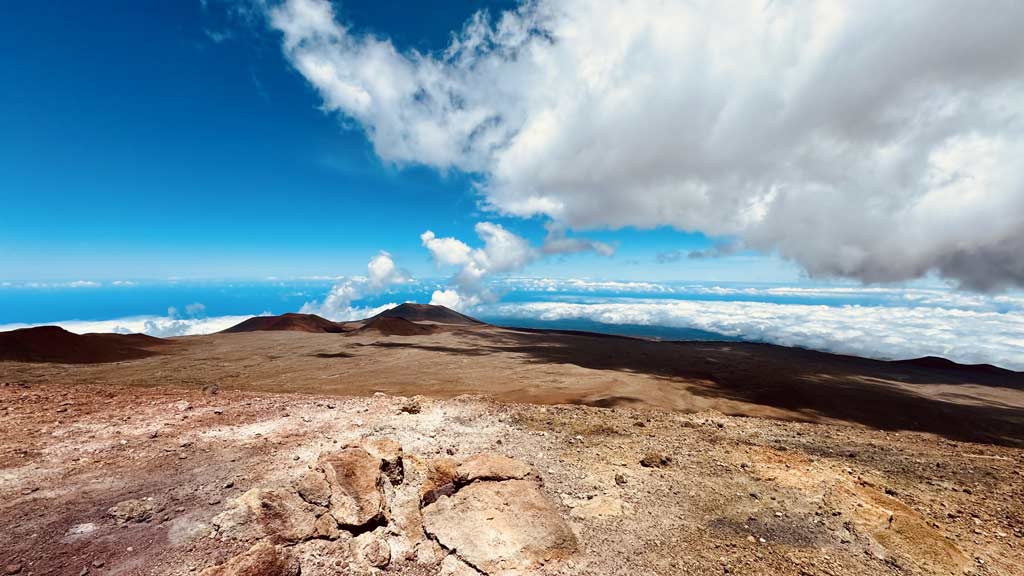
(424,442)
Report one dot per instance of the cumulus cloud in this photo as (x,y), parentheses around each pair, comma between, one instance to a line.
(503,251)
(382,273)
(967,336)
(878,141)
(159,326)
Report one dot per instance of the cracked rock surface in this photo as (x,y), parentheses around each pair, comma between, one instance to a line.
(491,518)
(499,526)
(263,559)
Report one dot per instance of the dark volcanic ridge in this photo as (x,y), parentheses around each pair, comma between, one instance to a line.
(290,321)
(938,363)
(427,313)
(55,344)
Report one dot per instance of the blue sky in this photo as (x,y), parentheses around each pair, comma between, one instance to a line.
(169,139)
(170,167)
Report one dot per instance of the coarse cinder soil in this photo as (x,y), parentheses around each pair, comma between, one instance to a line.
(468,449)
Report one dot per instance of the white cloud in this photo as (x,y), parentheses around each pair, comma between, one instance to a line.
(878,142)
(446,251)
(383,272)
(337,305)
(502,252)
(449,298)
(159,326)
(966,336)
(83,284)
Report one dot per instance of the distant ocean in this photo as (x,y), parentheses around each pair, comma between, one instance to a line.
(880,322)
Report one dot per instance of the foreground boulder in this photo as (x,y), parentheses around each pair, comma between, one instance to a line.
(278,514)
(500,526)
(484,514)
(263,559)
(355,480)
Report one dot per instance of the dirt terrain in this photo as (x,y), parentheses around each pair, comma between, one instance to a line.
(660,458)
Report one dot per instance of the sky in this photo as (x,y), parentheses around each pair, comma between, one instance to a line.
(254,156)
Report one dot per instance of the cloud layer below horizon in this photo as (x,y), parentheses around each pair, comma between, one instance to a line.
(879,142)
(885,323)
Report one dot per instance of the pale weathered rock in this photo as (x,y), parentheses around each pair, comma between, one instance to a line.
(403,513)
(375,552)
(326,527)
(498,526)
(263,559)
(313,488)
(440,480)
(138,510)
(277,514)
(489,466)
(390,454)
(452,566)
(355,480)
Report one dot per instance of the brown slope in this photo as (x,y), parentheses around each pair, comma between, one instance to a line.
(291,321)
(427,313)
(55,344)
(395,327)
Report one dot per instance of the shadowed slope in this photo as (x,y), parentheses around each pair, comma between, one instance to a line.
(291,321)
(55,344)
(395,327)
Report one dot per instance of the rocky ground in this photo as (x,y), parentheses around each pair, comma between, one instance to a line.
(115,479)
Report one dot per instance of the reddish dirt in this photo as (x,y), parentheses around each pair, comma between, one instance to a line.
(55,344)
(666,457)
(292,322)
(737,496)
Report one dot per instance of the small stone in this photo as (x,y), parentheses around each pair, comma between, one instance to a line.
(326,527)
(620,479)
(97,563)
(313,488)
(655,460)
(137,510)
(229,484)
(376,552)
(214,501)
(12,569)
